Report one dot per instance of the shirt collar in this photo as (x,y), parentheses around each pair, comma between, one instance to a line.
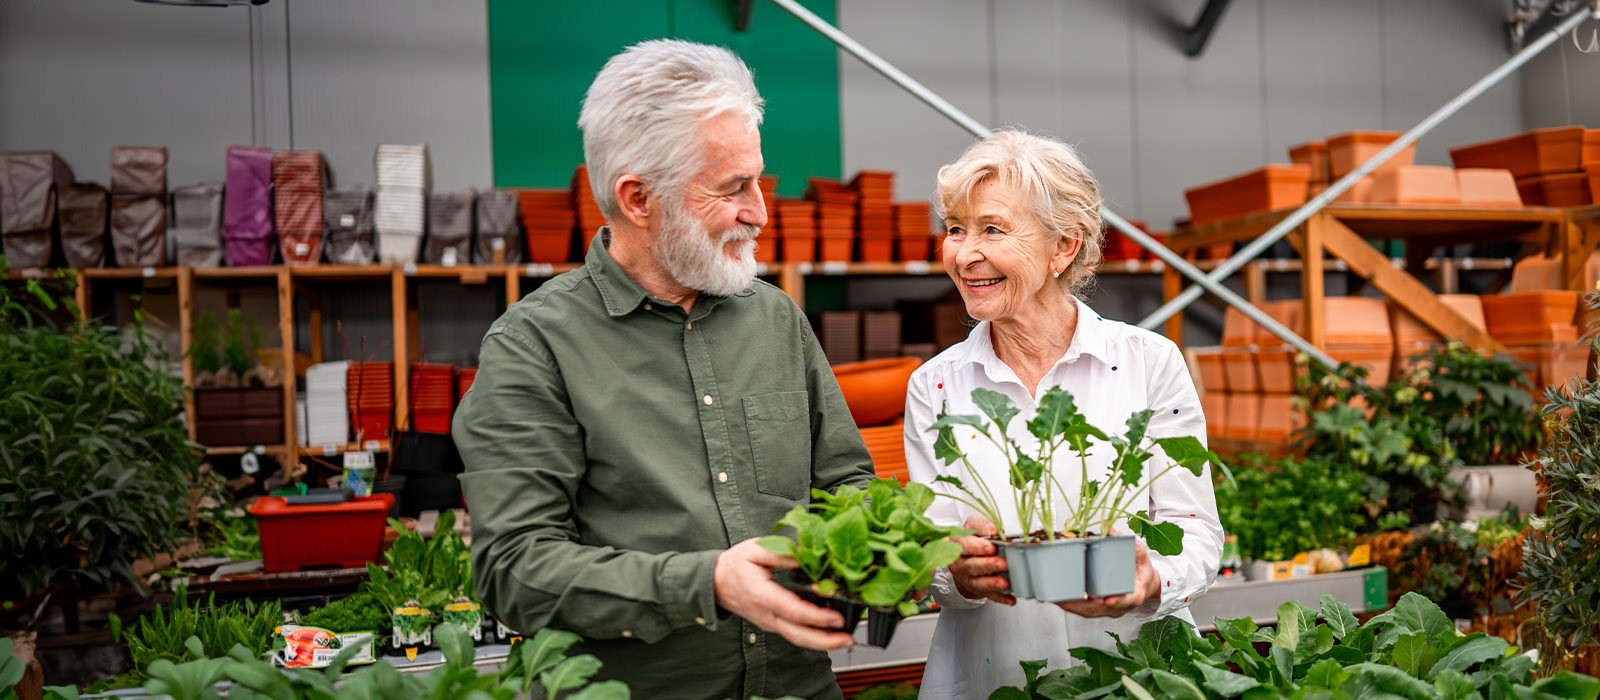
(621,294)
(1089,338)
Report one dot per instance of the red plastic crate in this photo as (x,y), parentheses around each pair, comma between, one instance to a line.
(319,536)
(424,421)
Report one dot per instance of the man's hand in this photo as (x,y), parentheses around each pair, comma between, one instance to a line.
(744,587)
(1146,586)
(977,572)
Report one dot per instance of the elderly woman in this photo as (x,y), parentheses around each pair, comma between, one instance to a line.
(1023,239)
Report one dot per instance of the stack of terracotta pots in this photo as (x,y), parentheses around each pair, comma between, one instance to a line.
(1549,164)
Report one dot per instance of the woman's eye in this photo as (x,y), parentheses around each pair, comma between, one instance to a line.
(993,231)
(955,230)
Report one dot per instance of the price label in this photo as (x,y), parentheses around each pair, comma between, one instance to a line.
(449,257)
(835,268)
(330,450)
(804,268)
(1340,265)
(497,244)
(347,220)
(372,444)
(149,272)
(1280,265)
(761,269)
(1157,266)
(918,267)
(410,269)
(1130,265)
(1467,263)
(301,249)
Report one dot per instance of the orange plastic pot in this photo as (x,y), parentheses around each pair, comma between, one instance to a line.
(1410,331)
(1488,187)
(1555,189)
(1556,150)
(1348,151)
(1553,364)
(875,390)
(1267,189)
(1527,318)
(1279,418)
(1244,417)
(1213,379)
(1314,154)
(877,250)
(1215,407)
(1239,364)
(1378,359)
(1416,184)
(1356,321)
(886,444)
(799,248)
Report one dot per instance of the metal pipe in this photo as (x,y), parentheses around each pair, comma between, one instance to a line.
(978,129)
(1294,220)
(878,64)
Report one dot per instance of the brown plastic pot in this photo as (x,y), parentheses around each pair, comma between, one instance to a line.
(875,391)
(1349,150)
(1488,187)
(1267,189)
(1537,152)
(1416,184)
(1555,190)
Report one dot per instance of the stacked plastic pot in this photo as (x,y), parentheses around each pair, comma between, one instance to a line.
(297,186)
(139,205)
(247,225)
(400,212)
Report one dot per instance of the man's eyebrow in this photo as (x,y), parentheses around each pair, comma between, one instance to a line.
(736,180)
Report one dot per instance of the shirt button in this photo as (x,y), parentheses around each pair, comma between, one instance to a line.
(752,637)
(688,326)
(706,399)
(722,477)
(627,633)
(700,621)
(648,306)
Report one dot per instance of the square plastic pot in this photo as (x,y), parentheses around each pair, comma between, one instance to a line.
(1046,571)
(1109,564)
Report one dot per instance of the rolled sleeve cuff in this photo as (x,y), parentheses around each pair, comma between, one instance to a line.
(947,595)
(687,582)
(1170,599)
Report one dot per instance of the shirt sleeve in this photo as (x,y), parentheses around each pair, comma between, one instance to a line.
(524,456)
(924,467)
(1179,496)
(838,455)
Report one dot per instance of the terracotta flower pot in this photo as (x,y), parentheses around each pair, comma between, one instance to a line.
(1244,416)
(1239,366)
(1356,321)
(1416,184)
(1553,364)
(877,250)
(1215,407)
(1213,378)
(876,390)
(1409,331)
(1274,358)
(1314,154)
(1378,359)
(1279,418)
(1555,189)
(1359,193)
(1556,150)
(1267,189)
(799,248)
(886,444)
(1526,318)
(1348,151)
(1488,187)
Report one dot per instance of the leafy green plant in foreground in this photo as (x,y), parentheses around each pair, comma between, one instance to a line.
(1057,424)
(1412,651)
(1279,508)
(877,552)
(162,634)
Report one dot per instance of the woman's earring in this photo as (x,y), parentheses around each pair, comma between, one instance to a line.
(1057,273)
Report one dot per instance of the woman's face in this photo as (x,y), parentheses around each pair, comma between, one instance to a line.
(1001,257)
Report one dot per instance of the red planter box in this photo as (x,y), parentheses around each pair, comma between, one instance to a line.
(340,535)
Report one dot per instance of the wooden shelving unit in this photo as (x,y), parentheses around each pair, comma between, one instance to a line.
(1342,231)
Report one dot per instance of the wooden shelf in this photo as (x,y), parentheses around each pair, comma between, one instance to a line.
(115,273)
(340,272)
(335,449)
(1439,225)
(546,269)
(261,272)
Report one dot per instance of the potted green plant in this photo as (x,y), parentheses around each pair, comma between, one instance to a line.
(425,577)
(1084,555)
(238,401)
(865,550)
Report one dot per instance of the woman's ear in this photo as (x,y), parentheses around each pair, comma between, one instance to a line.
(1067,248)
(633,197)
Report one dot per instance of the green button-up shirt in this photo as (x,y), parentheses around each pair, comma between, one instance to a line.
(615,445)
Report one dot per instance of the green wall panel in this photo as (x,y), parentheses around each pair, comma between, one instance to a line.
(543,55)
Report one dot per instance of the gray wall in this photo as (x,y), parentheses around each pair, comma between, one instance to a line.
(1562,85)
(1151,122)
(80,76)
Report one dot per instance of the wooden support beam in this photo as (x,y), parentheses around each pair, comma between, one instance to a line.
(1255,282)
(1309,240)
(402,367)
(793,283)
(1402,288)
(1575,255)
(1171,287)
(80,295)
(186,336)
(314,321)
(291,434)
(513,284)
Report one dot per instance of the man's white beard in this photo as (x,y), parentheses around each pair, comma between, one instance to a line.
(686,250)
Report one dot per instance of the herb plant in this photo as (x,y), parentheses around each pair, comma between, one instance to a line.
(1058,423)
(95,466)
(430,571)
(1484,403)
(163,633)
(1279,508)
(1560,572)
(877,552)
(1411,651)
(358,612)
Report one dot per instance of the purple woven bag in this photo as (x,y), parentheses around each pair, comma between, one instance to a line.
(247,226)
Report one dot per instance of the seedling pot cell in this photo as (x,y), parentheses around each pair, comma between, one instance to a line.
(1053,571)
(1110,565)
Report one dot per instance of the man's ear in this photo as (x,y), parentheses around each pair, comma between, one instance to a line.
(633,197)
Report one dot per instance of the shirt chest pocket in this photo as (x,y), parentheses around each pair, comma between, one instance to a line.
(779,428)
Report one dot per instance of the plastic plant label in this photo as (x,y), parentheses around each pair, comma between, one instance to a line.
(410,269)
(314,647)
(372,444)
(497,244)
(835,268)
(448,259)
(330,450)
(412,626)
(148,272)
(466,615)
(301,249)
(918,267)
(1282,570)
(1361,555)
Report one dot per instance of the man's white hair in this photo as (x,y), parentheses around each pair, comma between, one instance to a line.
(642,114)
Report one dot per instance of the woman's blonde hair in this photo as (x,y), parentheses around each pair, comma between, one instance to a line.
(1055,186)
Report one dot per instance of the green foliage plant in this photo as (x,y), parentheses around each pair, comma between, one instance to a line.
(1450,560)
(430,571)
(1279,508)
(875,546)
(1033,485)
(1485,403)
(1412,651)
(95,466)
(1561,557)
(163,633)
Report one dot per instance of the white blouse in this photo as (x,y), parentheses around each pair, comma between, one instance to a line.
(1112,369)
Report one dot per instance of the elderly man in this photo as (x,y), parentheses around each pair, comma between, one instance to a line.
(638,422)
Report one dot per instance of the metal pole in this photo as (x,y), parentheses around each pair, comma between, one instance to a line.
(978,129)
(1256,247)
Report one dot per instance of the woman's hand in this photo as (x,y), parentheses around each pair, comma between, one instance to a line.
(1146,586)
(976,573)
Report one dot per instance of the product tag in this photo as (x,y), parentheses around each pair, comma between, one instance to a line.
(347,220)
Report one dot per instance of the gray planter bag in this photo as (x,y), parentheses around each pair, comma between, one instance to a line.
(347,211)
(197,224)
(498,228)
(29,185)
(84,210)
(139,230)
(139,170)
(449,228)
